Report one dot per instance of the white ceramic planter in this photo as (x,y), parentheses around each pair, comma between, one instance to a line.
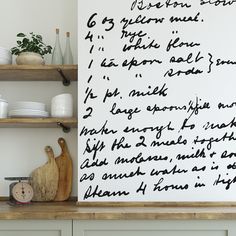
(29,58)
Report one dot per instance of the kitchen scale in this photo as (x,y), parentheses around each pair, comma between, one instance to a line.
(20,191)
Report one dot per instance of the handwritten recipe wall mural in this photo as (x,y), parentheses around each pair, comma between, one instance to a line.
(157,100)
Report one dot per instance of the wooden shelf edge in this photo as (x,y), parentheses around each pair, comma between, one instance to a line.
(38,72)
(38,67)
(49,122)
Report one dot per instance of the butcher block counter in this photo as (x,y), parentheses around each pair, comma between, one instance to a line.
(70,210)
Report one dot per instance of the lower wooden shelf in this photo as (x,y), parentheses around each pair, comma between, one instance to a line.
(50,122)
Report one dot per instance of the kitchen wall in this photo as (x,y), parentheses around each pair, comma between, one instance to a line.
(22,150)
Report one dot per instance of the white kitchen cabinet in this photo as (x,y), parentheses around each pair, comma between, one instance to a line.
(35,228)
(117,228)
(154,228)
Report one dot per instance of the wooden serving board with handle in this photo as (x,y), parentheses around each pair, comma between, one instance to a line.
(44,179)
(65,167)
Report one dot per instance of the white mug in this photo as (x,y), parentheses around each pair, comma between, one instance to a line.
(3,108)
(62,105)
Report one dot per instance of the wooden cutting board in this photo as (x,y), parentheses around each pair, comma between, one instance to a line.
(65,166)
(44,179)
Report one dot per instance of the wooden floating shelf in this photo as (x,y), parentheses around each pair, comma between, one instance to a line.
(38,72)
(38,122)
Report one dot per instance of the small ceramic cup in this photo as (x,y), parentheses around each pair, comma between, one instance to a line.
(62,105)
(3,108)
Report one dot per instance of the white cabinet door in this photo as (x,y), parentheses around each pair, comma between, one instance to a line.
(154,228)
(35,228)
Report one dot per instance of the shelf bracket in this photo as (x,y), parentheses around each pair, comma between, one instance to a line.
(65,128)
(65,81)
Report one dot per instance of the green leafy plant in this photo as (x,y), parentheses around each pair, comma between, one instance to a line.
(31,43)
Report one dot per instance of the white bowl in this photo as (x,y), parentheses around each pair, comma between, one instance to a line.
(6,53)
(63,97)
(4,61)
(62,105)
(29,105)
(3,49)
(3,108)
(61,113)
(7,56)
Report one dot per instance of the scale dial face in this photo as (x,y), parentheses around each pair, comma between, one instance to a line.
(22,192)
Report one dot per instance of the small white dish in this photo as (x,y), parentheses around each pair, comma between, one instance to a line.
(27,113)
(28,105)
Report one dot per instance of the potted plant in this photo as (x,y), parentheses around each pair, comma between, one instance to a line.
(30,49)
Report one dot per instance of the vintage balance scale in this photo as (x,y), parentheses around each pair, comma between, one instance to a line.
(20,191)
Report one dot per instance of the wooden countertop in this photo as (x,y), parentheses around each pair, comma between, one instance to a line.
(70,211)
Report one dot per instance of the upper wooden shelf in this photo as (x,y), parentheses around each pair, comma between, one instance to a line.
(38,72)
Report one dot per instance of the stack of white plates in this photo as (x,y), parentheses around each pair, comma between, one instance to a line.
(28,109)
(5,56)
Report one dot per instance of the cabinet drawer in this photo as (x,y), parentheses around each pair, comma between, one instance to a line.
(153,228)
(35,228)
(152,233)
(30,233)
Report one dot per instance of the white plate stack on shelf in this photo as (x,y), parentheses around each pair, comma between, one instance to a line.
(5,56)
(28,109)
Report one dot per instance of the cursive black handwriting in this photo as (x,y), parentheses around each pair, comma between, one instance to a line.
(131,174)
(132,35)
(120,143)
(102,131)
(172,171)
(94,147)
(87,163)
(158,187)
(160,91)
(189,59)
(127,111)
(158,129)
(177,43)
(211,140)
(92,193)
(179,141)
(223,105)
(140,5)
(140,19)
(140,45)
(218,2)
(195,18)
(200,153)
(226,182)
(191,71)
(139,159)
(134,62)
(225,154)
(211,125)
